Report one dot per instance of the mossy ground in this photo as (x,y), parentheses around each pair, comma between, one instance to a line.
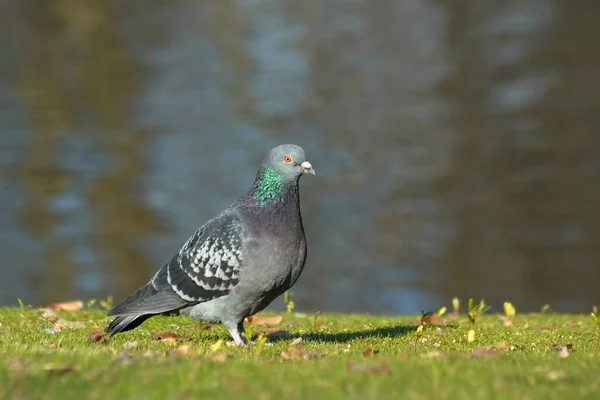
(337,357)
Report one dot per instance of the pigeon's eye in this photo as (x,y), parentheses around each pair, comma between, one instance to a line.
(287,159)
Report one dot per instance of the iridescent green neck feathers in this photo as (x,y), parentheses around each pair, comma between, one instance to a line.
(270,187)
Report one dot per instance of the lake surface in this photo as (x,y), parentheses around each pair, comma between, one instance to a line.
(456,143)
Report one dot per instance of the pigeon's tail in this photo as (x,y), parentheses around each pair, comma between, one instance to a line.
(124,324)
(142,304)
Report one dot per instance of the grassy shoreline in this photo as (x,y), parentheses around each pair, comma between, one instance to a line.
(50,354)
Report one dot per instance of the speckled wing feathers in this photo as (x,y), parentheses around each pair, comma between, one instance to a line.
(208,265)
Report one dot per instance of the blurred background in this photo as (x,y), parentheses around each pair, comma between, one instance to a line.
(456,144)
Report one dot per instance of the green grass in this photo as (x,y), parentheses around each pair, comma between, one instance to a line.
(503,362)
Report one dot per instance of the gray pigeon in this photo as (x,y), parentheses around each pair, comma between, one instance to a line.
(237,263)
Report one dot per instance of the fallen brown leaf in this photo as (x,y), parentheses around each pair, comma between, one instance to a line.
(369,368)
(180,351)
(295,353)
(573,324)
(544,328)
(506,321)
(97,337)
(369,352)
(262,320)
(67,306)
(429,319)
(170,337)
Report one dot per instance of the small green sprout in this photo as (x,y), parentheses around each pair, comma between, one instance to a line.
(314,320)
(456,305)
(287,300)
(546,309)
(597,322)
(107,304)
(441,312)
(473,312)
(91,303)
(595,319)
(419,334)
(260,343)
(215,347)
(471,336)
(509,310)
(21,304)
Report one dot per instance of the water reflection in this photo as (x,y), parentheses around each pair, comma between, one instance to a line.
(456,144)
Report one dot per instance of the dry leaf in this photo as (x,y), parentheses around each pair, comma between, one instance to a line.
(544,328)
(180,351)
(506,321)
(369,352)
(67,306)
(262,320)
(369,368)
(436,344)
(573,324)
(429,319)
(295,353)
(97,337)
(169,337)
(296,341)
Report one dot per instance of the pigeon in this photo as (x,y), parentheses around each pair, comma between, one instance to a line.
(238,262)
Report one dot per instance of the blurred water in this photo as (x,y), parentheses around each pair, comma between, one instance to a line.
(456,144)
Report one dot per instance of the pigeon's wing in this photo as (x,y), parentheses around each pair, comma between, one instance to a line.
(206,267)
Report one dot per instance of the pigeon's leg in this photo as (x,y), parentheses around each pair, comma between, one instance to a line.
(236,331)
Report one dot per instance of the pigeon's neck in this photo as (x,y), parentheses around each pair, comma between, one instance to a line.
(273,201)
(270,187)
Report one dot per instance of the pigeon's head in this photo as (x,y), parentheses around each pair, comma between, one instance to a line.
(289,161)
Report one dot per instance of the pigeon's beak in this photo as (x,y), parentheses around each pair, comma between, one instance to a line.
(308,169)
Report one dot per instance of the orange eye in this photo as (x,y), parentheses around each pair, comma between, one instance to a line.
(287,159)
